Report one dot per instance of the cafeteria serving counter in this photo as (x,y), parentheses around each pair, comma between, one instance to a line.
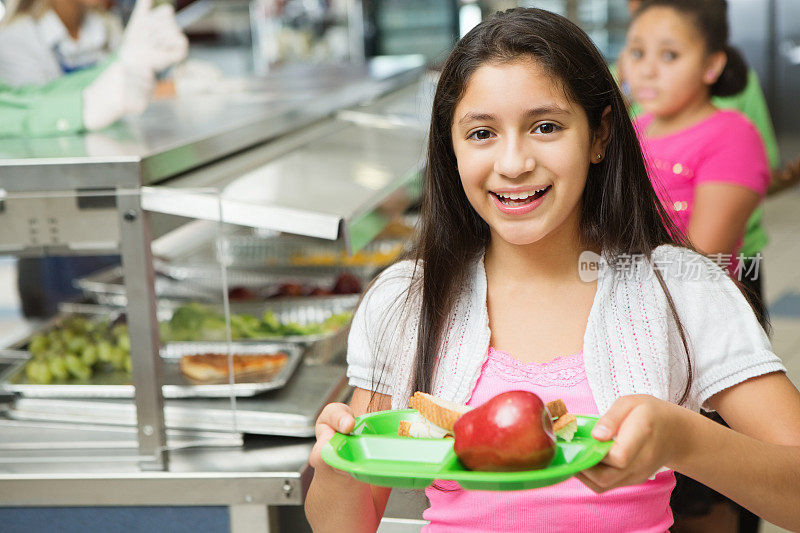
(331,153)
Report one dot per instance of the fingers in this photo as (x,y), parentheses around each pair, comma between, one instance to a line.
(338,417)
(636,453)
(606,477)
(334,417)
(589,483)
(635,432)
(602,478)
(324,434)
(609,423)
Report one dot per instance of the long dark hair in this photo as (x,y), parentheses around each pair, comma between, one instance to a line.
(620,212)
(710,18)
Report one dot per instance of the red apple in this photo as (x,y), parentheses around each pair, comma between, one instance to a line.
(512,431)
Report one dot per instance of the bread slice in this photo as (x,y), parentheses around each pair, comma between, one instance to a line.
(556,408)
(214,367)
(566,426)
(404,428)
(420,429)
(439,412)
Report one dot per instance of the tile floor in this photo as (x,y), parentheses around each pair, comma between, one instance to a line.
(781,271)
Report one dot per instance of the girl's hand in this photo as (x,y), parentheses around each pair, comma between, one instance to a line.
(334,417)
(647,436)
(788,176)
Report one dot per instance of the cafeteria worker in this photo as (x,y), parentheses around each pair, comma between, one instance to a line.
(65,68)
(62,75)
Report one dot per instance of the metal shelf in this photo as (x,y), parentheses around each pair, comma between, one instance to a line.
(336,180)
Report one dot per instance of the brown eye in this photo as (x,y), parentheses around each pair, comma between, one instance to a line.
(481,135)
(546,128)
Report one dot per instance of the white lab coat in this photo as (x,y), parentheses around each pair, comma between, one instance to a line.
(37,51)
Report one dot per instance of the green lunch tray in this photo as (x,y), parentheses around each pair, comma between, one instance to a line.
(375,454)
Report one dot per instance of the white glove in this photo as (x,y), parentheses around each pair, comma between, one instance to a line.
(152,42)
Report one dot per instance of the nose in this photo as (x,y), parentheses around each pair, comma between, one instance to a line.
(648,67)
(512,161)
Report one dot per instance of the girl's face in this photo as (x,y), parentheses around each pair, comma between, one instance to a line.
(666,62)
(523,150)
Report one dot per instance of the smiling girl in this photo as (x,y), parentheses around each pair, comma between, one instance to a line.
(533,165)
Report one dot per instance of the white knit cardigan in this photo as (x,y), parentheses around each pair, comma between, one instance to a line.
(631,344)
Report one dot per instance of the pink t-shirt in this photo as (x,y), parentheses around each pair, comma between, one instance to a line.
(568,506)
(724,147)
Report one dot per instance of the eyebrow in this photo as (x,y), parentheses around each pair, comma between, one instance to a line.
(530,113)
(662,42)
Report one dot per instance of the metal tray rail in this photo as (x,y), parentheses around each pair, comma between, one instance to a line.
(291,410)
(117,384)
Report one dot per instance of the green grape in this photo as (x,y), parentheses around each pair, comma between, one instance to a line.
(104,349)
(57,347)
(38,373)
(89,355)
(38,344)
(77,343)
(118,356)
(76,324)
(58,368)
(77,368)
(124,342)
(66,335)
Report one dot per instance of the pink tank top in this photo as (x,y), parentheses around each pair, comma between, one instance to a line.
(568,506)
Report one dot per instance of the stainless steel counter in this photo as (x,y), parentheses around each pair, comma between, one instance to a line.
(180,134)
(250,480)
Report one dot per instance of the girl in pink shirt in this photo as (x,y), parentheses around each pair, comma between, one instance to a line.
(709,166)
(533,167)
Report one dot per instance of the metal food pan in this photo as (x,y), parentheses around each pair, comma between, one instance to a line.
(107,287)
(296,251)
(204,263)
(303,311)
(204,283)
(117,383)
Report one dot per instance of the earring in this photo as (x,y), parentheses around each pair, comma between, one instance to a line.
(599,157)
